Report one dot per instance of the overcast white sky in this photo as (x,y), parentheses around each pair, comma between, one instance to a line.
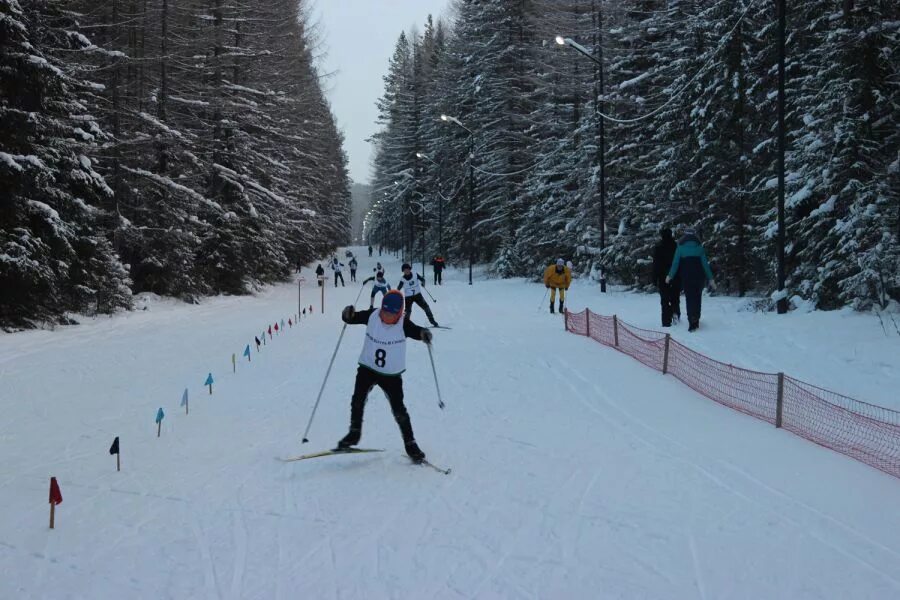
(359,37)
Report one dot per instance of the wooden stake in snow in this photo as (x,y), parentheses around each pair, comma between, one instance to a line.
(209,382)
(160,415)
(184,400)
(233,363)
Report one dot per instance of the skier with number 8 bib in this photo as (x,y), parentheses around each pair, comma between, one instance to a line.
(382,363)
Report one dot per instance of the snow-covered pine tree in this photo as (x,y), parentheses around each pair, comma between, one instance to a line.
(52,258)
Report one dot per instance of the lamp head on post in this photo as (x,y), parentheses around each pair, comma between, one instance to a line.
(560,40)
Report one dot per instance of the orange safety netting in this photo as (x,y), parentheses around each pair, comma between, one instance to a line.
(868,433)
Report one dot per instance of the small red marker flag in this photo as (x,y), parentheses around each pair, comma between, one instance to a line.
(55,494)
(276,326)
(55,498)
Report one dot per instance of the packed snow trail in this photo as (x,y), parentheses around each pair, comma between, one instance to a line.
(577,472)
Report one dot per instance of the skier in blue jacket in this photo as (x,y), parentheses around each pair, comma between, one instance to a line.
(691,266)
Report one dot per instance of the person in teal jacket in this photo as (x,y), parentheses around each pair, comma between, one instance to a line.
(691,266)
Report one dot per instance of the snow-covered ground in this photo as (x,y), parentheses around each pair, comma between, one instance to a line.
(577,472)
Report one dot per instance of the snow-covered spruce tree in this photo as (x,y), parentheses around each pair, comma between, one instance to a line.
(491,45)
(558,192)
(842,206)
(51,258)
(228,161)
(652,57)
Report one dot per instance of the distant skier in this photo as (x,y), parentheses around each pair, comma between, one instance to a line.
(669,293)
(370,251)
(337,267)
(558,277)
(320,274)
(352,264)
(690,264)
(413,283)
(380,285)
(378,267)
(438,264)
(382,363)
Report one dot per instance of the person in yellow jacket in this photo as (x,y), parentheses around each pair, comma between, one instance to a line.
(558,277)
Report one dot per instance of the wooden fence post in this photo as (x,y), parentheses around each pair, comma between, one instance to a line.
(666,355)
(779,403)
(616,330)
(566,319)
(587,313)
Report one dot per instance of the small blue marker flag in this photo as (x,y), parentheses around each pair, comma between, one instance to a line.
(209,380)
(247,351)
(184,397)
(160,415)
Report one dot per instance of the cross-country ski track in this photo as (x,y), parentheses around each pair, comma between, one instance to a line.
(576,471)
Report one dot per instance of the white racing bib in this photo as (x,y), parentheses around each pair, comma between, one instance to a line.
(384,350)
(411,287)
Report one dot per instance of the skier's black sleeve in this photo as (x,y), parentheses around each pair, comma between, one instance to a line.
(365,281)
(400,285)
(422,279)
(360,317)
(412,330)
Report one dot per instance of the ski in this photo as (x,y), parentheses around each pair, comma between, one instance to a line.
(425,463)
(440,327)
(330,453)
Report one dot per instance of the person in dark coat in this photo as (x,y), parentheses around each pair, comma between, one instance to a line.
(438,264)
(669,293)
(690,264)
(320,273)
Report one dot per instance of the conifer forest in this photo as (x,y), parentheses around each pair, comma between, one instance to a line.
(187,147)
(670,121)
(180,147)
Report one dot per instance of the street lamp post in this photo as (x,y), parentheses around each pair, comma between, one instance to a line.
(471,223)
(602,133)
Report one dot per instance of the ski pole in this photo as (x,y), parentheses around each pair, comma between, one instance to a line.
(322,389)
(436,385)
(328,372)
(429,294)
(361,288)
(547,291)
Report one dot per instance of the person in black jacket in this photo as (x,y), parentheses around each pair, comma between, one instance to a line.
(669,293)
(438,263)
(382,363)
(320,273)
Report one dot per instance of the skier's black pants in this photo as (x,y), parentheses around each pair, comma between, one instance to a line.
(693,294)
(418,299)
(392,386)
(352,274)
(336,275)
(669,299)
(437,277)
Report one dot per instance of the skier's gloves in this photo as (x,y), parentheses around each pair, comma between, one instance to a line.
(668,280)
(427,336)
(348,313)
(712,285)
